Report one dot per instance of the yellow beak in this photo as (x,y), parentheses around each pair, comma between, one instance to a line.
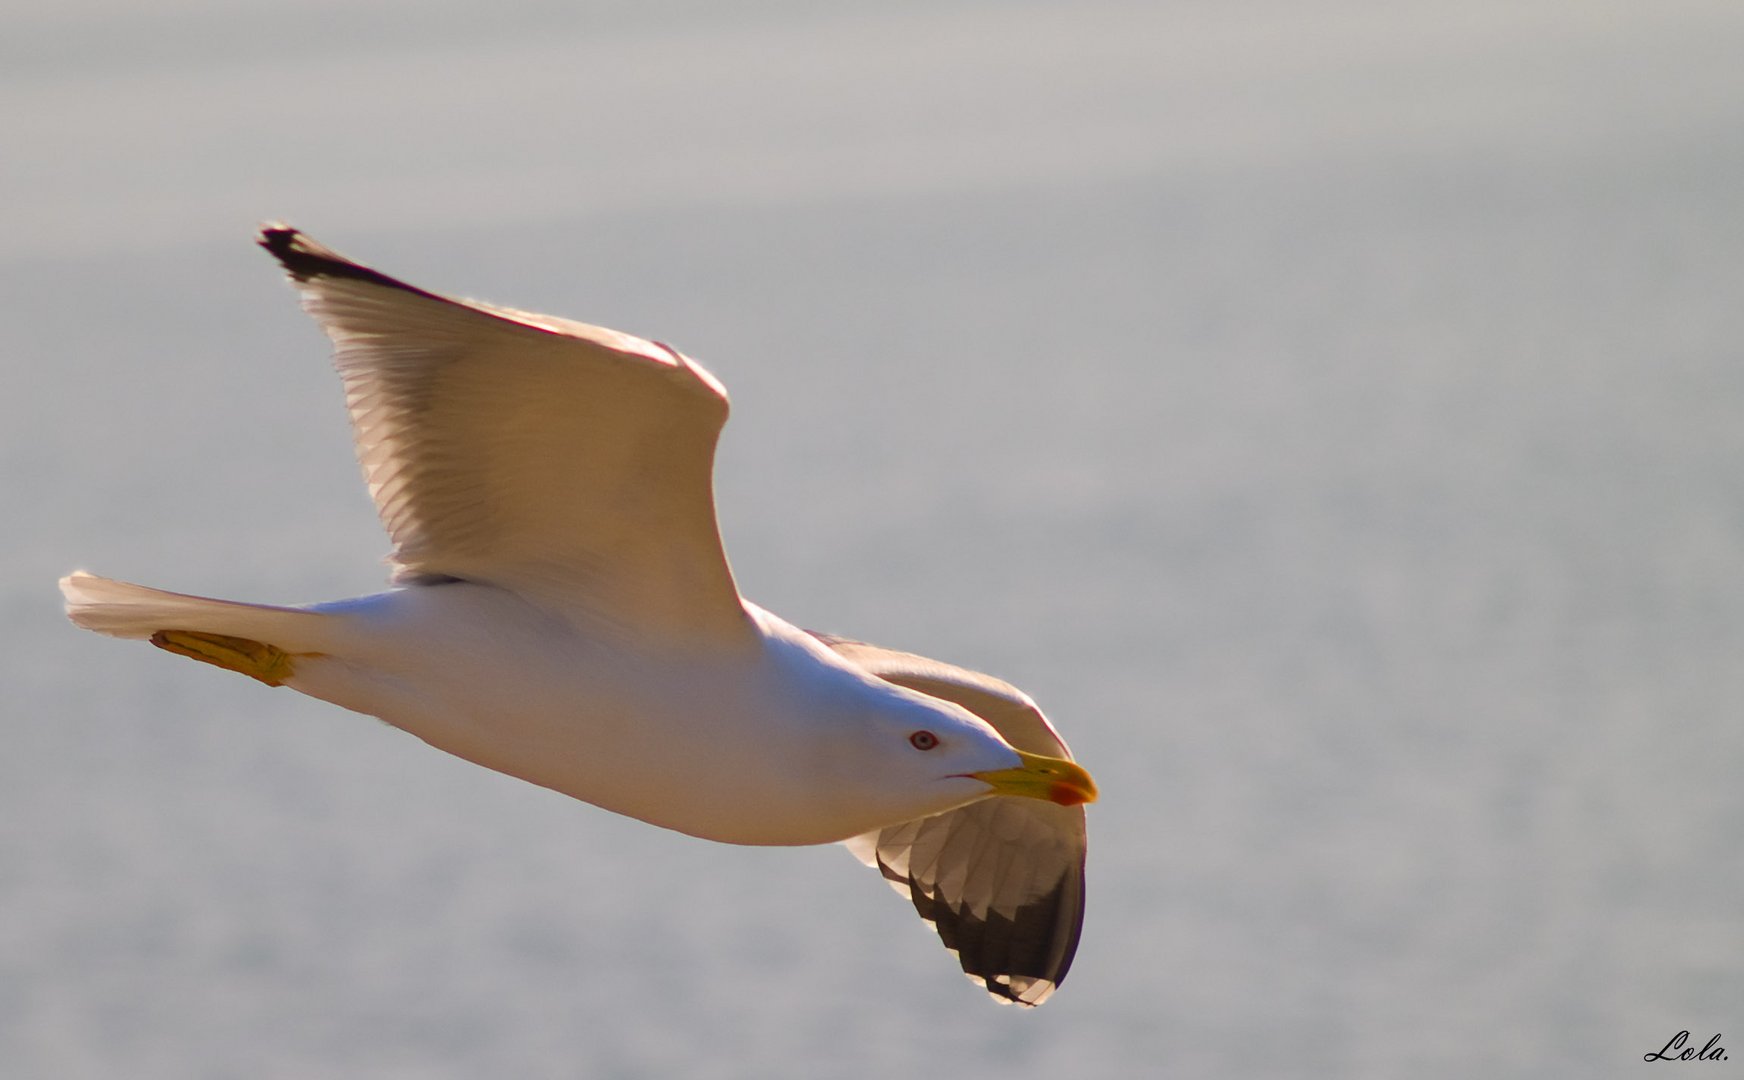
(1054,779)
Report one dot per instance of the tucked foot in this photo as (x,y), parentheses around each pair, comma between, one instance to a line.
(258,660)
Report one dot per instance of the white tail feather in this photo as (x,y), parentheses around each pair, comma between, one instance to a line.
(125,610)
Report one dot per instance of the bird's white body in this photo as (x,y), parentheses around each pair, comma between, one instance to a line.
(762,741)
(564,613)
(583,701)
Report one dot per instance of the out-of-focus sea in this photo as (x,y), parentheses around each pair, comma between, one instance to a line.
(1332,413)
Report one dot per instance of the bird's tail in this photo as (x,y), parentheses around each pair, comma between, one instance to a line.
(257,640)
(122,609)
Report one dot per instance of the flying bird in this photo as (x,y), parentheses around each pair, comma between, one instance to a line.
(561,610)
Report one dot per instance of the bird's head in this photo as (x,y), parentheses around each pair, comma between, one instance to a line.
(918,755)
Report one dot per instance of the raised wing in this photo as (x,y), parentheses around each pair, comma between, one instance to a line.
(569,463)
(1002,880)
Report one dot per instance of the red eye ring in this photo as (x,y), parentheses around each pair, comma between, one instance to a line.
(923,740)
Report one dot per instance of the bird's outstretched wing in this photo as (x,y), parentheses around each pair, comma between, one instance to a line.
(1002,880)
(569,463)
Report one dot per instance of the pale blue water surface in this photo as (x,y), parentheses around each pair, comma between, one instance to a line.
(1332,413)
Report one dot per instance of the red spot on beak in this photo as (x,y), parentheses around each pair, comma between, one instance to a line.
(1067,795)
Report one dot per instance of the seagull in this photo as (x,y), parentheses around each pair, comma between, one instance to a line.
(561,610)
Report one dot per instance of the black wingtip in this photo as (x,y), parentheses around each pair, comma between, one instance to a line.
(305,260)
(301,257)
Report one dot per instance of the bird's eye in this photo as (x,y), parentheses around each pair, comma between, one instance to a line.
(923,740)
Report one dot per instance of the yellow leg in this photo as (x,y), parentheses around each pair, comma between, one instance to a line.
(258,660)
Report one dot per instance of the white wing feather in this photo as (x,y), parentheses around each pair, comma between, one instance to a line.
(566,462)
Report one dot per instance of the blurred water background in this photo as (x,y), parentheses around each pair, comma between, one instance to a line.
(1333,413)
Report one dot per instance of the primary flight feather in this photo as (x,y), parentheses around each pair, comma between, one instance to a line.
(563,611)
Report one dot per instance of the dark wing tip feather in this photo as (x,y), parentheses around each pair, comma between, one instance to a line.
(305,260)
(1036,942)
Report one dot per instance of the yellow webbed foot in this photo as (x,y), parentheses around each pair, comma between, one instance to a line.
(258,660)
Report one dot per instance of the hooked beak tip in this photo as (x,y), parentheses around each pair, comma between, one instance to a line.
(1056,780)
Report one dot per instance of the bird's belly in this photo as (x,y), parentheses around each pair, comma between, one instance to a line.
(587,723)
